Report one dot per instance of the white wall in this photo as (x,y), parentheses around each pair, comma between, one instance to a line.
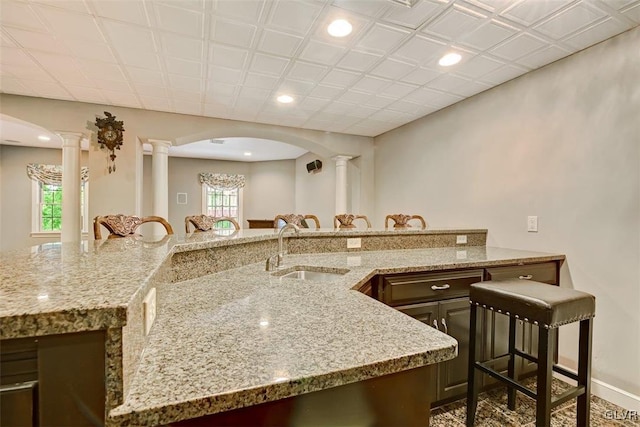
(562,143)
(270,187)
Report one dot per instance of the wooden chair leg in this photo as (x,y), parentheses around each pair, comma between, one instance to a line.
(545,370)
(584,372)
(511,367)
(472,374)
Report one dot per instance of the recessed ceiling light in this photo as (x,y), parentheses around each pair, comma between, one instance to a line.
(44,138)
(247,153)
(339,28)
(285,99)
(450,59)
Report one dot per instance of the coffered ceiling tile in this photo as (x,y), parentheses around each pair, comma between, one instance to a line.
(182,47)
(296,87)
(392,69)
(426,96)
(358,61)
(151,90)
(71,5)
(183,67)
(327,92)
(454,22)
(279,43)
(71,24)
(528,12)
(48,89)
(12,55)
(185,83)
(126,36)
(470,88)
(6,41)
(398,90)
(570,20)
(543,57)
(157,104)
(503,74)
(64,68)
(217,109)
(405,107)
(188,107)
(478,66)
(296,16)
(419,50)
(233,33)
(413,17)
(341,78)
(126,99)
(371,84)
(518,47)
(179,20)
(491,5)
(268,64)
(306,71)
(600,31)
(20,15)
(27,72)
(310,103)
(448,82)
(13,85)
(229,57)
(184,95)
(113,85)
(86,94)
(633,13)
(388,115)
(140,59)
(421,75)
(371,8)
(216,89)
(42,41)
(89,50)
(260,81)
(338,108)
(362,111)
(224,75)
(254,93)
(488,35)
(122,10)
(354,97)
(382,38)
(246,10)
(105,70)
(379,101)
(322,53)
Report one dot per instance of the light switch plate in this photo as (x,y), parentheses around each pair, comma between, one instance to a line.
(461,240)
(149,310)
(354,243)
(532,224)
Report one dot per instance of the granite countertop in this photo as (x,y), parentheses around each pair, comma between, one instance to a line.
(245,336)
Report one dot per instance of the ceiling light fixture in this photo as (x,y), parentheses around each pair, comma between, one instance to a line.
(339,28)
(44,138)
(247,153)
(284,99)
(450,59)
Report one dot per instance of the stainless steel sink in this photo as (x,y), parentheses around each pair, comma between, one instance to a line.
(314,275)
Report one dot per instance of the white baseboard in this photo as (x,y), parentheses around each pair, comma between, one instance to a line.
(605,391)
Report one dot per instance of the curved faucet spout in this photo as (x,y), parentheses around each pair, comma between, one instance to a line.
(280,240)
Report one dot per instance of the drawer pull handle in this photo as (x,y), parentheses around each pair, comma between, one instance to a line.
(435,324)
(527,277)
(444,323)
(440,288)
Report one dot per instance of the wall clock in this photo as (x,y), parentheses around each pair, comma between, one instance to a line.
(110,136)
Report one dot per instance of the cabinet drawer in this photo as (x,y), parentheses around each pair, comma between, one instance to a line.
(405,289)
(545,272)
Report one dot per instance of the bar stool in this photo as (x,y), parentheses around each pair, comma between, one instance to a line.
(548,307)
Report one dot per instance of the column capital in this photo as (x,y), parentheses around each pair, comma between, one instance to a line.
(341,158)
(159,143)
(70,139)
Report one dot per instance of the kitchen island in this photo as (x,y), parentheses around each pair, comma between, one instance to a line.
(233,335)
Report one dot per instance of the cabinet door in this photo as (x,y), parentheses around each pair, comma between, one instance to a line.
(452,375)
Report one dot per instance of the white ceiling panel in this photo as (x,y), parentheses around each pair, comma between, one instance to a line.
(231,58)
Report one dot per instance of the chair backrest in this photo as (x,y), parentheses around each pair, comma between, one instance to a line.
(402,221)
(346,220)
(125,225)
(295,219)
(206,222)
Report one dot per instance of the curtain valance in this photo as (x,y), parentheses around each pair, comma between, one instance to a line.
(222,181)
(51,174)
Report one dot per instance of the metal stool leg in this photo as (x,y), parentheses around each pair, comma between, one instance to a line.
(473,377)
(511,368)
(584,372)
(545,370)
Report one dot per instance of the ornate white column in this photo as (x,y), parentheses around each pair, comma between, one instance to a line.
(160,180)
(71,206)
(341,183)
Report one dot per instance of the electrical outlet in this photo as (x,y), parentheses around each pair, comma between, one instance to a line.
(532,224)
(354,243)
(461,240)
(149,310)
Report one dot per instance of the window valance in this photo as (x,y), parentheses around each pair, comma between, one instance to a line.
(52,174)
(222,181)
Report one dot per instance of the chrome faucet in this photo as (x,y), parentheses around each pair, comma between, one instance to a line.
(274,261)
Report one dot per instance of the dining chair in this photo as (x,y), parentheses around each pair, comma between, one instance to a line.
(124,225)
(299,220)
(207,222)
(402,221)
(346,220)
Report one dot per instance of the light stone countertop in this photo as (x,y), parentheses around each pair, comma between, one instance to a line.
(245,336)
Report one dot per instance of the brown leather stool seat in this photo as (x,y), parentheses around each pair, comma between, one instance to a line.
(548,307)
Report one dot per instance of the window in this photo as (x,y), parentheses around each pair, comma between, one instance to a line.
(47,208)
(217,203)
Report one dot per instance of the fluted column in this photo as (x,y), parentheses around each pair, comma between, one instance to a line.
(341,183)
(71,206)
(160,180)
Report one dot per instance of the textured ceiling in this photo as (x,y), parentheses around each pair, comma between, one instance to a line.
(231,58)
